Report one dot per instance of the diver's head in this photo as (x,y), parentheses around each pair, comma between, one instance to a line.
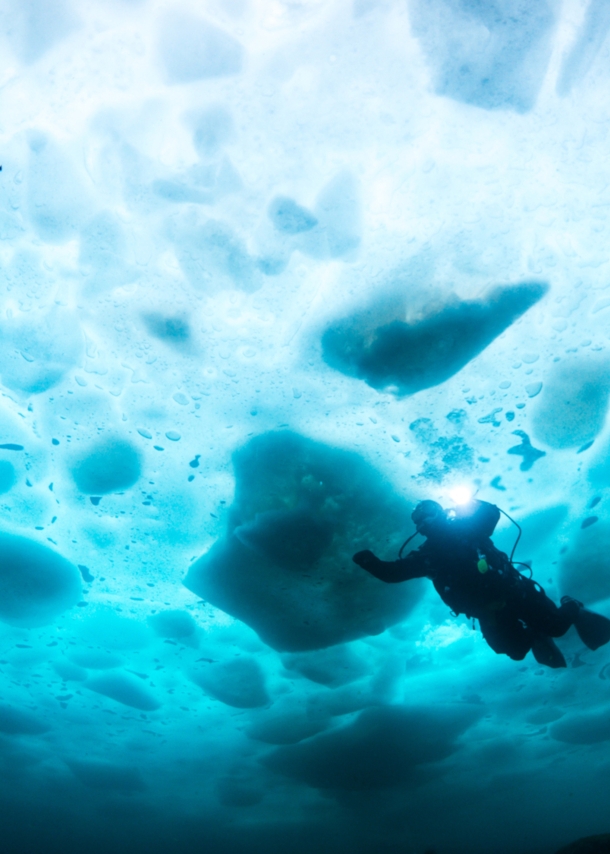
(428,516)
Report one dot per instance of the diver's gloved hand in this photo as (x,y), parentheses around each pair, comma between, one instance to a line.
(364,559)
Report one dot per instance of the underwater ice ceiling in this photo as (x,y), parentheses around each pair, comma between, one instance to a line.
(271,272)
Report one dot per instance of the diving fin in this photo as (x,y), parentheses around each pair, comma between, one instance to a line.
(593,629)
(546,652)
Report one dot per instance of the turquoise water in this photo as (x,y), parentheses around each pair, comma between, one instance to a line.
(272,272)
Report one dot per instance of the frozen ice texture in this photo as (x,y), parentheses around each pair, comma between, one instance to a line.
(589,41)
(124,689)
(300,507)
(110,465)
(271,273)
(573,405)
(406,357)
(36,583)
(191,48)
(15,721)
(239,683)
(490,53)
(382,748)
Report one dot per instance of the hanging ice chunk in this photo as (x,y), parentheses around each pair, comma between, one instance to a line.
(583,728)
(15,721)
(70,672)
(573,403)
(112,464)
(338,208)
(338,212)
(193,49)
(582,566)
(39,348)
(287,536)
(287,723)
(408,357)
(36,584)
(332,229)
(599,472)
(38,25)
(11,196)
(173,624)
(212,130)
(338,665)
(7,476)
(174,330)
(212,256)
(490,53)
(239,683)
(587,45)
(383,747)
(202,184)
(94,659)
(284,566)
(124,689)
(55,195)
(290,218)
(103,252)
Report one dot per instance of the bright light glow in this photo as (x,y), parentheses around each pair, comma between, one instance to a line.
(461,494)
(438,637)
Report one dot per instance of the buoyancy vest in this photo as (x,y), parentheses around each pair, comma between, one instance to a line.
(470,575)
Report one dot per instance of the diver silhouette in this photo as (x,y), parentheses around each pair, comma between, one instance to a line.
(475,578)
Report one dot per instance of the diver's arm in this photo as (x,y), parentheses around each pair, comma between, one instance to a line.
(414,565)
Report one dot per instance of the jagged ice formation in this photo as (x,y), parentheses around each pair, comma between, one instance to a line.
(270,273)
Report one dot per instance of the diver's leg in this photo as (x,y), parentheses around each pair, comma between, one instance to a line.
(541,614)
(505,634)
(546,651)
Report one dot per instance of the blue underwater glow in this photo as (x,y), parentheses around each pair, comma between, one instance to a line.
(273,271)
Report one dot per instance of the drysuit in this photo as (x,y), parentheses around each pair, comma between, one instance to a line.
(475,578)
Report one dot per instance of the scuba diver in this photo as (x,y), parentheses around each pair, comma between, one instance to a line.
(475,578)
